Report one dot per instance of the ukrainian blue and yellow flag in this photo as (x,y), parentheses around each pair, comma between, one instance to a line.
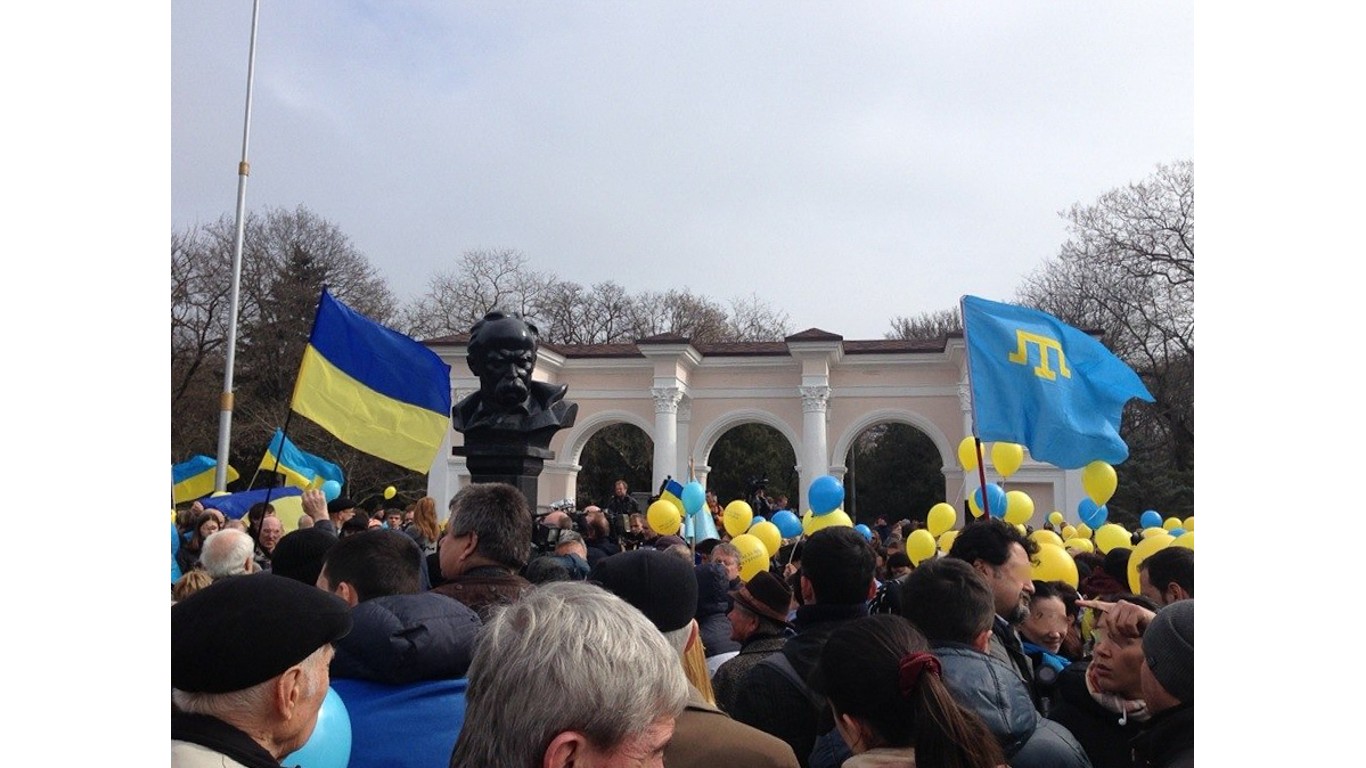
(375,389)
(1043,384)
(673,493)
(300,469)
(288,503)
(193,479)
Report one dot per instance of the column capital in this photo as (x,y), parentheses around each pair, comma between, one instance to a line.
(965,397)
(666,399)
(814,399)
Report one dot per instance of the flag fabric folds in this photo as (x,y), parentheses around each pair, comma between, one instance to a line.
(375,389)
(1046,385)
(193,479)
(300,469)
(703,529)
(288,503)
(673,493)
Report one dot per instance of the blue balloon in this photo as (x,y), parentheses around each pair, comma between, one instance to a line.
(789,525)
(175,550)
(1177,532)
(1094,516)
(996,500)
(826,495)
(759,519)
(331,490)
(330,744)
(865,530)
(1150,519)
(694,498)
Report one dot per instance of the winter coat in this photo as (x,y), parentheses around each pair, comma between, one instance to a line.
(705,737)
(484,589)
(1096,727)
(726,682)
(201,741)
(1168,740)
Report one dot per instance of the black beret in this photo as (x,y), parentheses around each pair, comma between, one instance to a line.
(244,630)
(300,554)
(662,586)
(339,504)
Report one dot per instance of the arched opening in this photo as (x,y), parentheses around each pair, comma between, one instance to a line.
(749,451)
(615,452)
(894,471)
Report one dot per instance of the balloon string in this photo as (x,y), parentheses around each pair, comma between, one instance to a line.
(982,477)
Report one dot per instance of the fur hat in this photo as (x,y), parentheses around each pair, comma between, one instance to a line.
(1169,648)
(244,630)
(660,585)
(765,595)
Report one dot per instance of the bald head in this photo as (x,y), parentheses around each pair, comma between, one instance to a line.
(228,553)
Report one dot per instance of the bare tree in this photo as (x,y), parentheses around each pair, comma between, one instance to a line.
(483,280)
(926,325)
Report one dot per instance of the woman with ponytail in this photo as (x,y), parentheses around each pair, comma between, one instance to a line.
(890,704)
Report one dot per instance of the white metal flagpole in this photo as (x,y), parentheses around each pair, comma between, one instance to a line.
(220,481)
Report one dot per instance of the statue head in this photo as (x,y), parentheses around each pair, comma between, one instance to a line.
(502,353)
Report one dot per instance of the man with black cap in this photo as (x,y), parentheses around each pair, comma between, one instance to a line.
(249,661)
(758,620)
(1168,679)
(664,588)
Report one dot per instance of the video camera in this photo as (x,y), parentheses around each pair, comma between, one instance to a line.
(544,538)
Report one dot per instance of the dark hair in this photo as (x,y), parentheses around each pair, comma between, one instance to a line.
(1045,590)
(839,565)
(1171,564)
(497,513)
(948,600)
(1116,563)
(879,669)
(547,568)
(899,559)
(375,563)
(989,540)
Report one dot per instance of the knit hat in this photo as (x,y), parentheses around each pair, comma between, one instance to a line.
(765,595)
(1169,648)
(660,585)
(300,554)
(245,630)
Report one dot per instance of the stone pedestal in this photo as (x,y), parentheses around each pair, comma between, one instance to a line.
(517,465)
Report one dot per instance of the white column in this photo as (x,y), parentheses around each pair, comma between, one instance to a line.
(666,433)
(815,454)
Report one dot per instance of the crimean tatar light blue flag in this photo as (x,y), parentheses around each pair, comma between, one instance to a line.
(375,389)
(300,469)
(1043,384)
(193,479)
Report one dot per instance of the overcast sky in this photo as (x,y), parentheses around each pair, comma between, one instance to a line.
(848,162)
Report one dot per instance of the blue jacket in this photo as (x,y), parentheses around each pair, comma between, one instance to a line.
(992,688)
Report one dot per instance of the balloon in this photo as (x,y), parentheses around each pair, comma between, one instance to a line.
(1188,523)
(1084,531)
(1099,481)
(1052,563)
(941,517)
(768,534)
(865,530)
(1070,532)
(331,490)
(753,555)
(1091,513)
(1081,545)
(996,500)
(920,546)
(1043,536)
(814,522)
(946,541)
(1150,519)
(1171,522)
(737,517)
(826,494)
(330,744)
(664,518)
(694,498)
(1023,530)
(972,506)
(967,452)
(1141,552)
(789,525)
(1055,517)
(1153,531)
(1110,536)
(1176,532)
(1186,540)
(1006,457)
(390,492)
(1019,507)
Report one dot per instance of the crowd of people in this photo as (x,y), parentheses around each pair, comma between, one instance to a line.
(501,638)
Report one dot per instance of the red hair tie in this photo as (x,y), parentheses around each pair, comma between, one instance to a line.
(912,666)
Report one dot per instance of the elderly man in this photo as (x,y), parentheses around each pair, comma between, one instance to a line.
(271,530)
(547,687)
(487,542)
(228,552)
(758,621)
(249,662)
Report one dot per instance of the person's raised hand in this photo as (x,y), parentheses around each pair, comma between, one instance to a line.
(315,503)
(1126,619)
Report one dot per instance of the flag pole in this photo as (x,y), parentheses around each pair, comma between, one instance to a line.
(972,410)
(243,170)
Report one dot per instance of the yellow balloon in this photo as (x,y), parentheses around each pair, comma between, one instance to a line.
(1055,517)
(1153,531)
(1083,530)
(946,541)
(920,545)
(1006,457)
(753,555)
(1044,536)
(1023,530)
(1186,540)
(1188,524)
(1099,481)
(769,534)
(1145,548)
(664,518)
(967,452)
(1052,563)
(1070,532)
(813,522)
(737,517)
(1170,523)
(1019,507)
(942,516)
(972,506)
(390,492)
(1081,545)
(1110,536)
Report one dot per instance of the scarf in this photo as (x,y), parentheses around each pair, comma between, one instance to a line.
(1129,710)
